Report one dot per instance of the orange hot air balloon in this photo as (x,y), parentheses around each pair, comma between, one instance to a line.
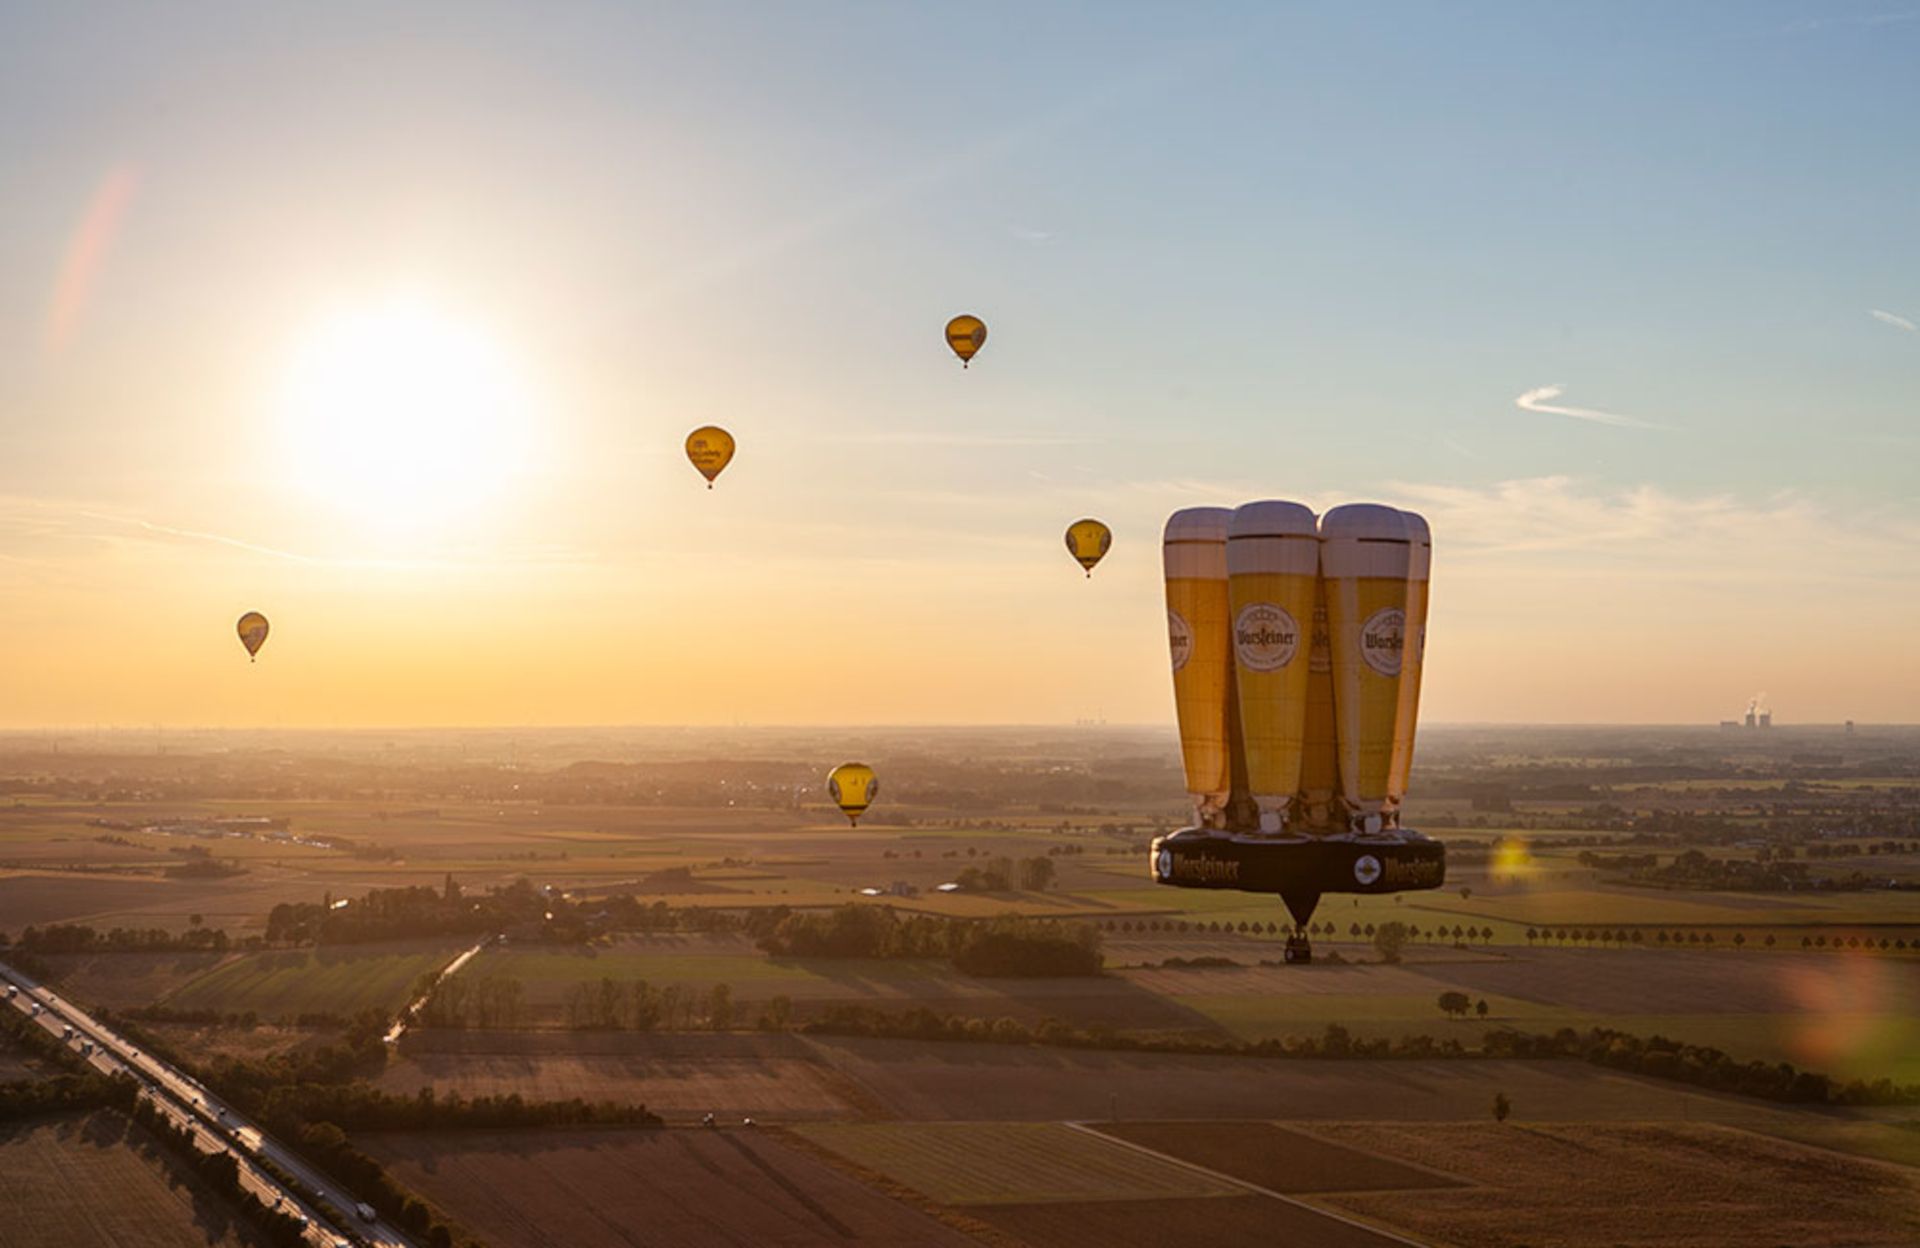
(710,448)
(853,786)
(966,335)
(1087,541)
(253,632)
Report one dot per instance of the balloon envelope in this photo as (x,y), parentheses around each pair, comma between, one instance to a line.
(1087,541)
(853,786)
(253,631)
(710,448)
(966,335)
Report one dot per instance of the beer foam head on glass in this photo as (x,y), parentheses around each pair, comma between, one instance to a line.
(1413,658)
(1195,554)
(1273,565)
(1365,558)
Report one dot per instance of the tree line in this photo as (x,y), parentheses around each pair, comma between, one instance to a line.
(79,938)
(1006,946)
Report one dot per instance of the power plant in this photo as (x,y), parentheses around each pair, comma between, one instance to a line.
(1758,716)
(1298,645)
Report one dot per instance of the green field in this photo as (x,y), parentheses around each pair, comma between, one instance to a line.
(331,980)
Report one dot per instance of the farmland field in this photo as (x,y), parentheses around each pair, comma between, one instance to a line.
(964,1163)
(120,981)
(1668,1186)
(678,1076)
(1220,1222)
(94,1182)
(1274,1157)
(612,1188)
(340,979)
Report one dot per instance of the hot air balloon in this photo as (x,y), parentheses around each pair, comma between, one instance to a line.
(710,448)
(1297,730)
(966,335)
(1087,541)
(253,632)
(853,787)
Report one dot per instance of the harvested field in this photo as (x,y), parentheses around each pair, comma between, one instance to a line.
(609,1189)
(1020,1083)
(677,1076)
(1676,1185)
(967,1163)
(337,980)
(95,1182)
(1223,1222)
(1274,1157)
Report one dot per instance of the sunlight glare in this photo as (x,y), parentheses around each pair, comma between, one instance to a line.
(403,418)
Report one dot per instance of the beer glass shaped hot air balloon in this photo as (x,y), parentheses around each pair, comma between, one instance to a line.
(1412,661)
(1087,541)
(710,448)
(1195,553)
(1365,557)
(253,632)
(853,786)
(1273,571)
(966,335)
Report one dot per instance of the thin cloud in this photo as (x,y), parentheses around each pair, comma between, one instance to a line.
(1536,400)
(1894,319)
(193,535)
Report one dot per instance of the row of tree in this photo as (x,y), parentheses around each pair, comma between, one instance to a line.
(1005,946)
(79,938)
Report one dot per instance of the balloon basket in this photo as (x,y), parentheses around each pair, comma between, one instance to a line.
(1300,869)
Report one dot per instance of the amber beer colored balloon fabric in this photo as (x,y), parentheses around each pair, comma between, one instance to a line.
(253,631)
(1364,556)
(853,786)
(966,335)
(710,448)
(1273,574)
(1413,658)
(1195,554)
(1087,541)
(1319,752)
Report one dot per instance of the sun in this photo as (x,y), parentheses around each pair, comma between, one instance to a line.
(403,418)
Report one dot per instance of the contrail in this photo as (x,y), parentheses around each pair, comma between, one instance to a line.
(1536,401)
(1895,320)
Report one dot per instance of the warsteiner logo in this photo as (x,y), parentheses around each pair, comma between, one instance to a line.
(1224,870)
(1265,637)
(1382,638)
(1179,639)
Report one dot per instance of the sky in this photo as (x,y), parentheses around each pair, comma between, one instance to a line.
(389,321)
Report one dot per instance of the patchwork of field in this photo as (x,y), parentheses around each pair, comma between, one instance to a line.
(1674,1185)
(334,979)
(95,1182)
(613,1188)
(678,1076)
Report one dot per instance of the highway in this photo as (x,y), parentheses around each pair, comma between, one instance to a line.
(215,1126)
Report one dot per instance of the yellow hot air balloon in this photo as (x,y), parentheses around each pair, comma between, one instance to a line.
(966,335)
(253,632)
(853,787)
(711,449)
(1087,541)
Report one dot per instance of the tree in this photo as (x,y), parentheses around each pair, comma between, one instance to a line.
(1532,935)
(1036,874)
(1389,939)
(1501,1107)
(1465,893)
(720,1008)
(1480,1007)
(195,920)
(1455,1004)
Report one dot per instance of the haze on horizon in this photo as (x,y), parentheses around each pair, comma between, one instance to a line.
(390,323)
